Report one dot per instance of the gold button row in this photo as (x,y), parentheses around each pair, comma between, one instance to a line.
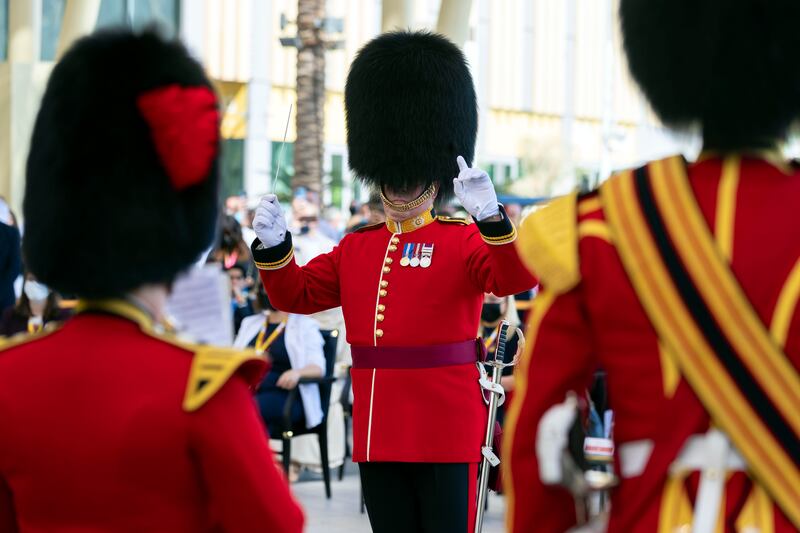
(380,317)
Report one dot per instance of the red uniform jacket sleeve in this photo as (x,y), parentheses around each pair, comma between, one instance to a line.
(558,359)
(492,260)
(294,289)
(247,491)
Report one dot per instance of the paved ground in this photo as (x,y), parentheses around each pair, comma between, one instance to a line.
(341,514)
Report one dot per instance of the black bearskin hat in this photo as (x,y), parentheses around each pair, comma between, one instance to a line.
(411,110)
(730,66)
(122,184)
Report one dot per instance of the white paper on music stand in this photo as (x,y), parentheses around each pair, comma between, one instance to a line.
(200,305)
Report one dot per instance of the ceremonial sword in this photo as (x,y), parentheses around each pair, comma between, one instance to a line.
(496,397)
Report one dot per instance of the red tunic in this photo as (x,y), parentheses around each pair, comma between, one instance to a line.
(403,414)
(94,438)
(600,323)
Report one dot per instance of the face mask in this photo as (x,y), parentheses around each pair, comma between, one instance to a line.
(36,291)
(490,312)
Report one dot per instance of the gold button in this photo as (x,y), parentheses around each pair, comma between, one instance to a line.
(379,317)
(379,333)
(393,248)
(419,221)
(395,240)
(384,284)
(383,293)
(388,260)
(386,270)
(381,308)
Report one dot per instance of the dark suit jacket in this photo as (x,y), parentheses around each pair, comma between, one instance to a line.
(10,264)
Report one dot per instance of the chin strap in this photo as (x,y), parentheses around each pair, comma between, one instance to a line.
(413,204)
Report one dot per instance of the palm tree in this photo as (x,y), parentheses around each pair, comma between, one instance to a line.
(309,146)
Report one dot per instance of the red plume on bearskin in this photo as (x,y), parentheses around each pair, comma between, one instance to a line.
(184,124)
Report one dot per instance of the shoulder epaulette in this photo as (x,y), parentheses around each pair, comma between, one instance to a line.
(369,227)
(24,337)
(452,220)
(548,244)
(213,366)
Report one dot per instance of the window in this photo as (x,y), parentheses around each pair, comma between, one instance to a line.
(337,183)
(283,187)
(136,14)
(232,167)
(3,30)
(52,15)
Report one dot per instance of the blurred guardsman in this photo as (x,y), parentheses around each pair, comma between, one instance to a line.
(106,423)
(411,288)
(681,281)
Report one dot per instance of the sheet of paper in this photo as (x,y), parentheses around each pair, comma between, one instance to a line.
(200,306)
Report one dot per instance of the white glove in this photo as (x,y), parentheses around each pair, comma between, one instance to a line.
(475,191)
(269,223)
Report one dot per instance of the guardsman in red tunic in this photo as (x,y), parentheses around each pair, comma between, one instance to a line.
(108,423)
(410,289)
(681,281)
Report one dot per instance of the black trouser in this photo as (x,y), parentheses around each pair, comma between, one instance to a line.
(420,497)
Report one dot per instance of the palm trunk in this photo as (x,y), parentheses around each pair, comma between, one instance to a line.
(309,146)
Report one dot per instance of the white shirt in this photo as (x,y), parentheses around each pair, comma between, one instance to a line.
(304,345)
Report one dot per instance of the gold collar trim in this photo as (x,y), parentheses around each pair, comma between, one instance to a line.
(410,224)
(118,307)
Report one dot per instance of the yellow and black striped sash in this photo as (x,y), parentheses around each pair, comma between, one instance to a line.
(701,314)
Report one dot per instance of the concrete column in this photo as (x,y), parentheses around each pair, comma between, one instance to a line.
(22,80)
(192,27)
(481,73)
(454,20)
(568,120)
(257,144)
(80,18)
(397,15)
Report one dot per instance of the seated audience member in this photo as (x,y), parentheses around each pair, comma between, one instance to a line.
(37,306)
(293,344)
(240,295)
(10,265)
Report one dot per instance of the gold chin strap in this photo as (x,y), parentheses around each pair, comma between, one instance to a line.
(413,204)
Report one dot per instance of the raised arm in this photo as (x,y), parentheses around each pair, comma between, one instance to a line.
(491,258)
(302,290)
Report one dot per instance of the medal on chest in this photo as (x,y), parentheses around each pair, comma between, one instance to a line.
(417,254)
(408,253)
(427,255)
(415,260)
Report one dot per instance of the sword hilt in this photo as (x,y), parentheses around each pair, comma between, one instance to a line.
(502,338)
